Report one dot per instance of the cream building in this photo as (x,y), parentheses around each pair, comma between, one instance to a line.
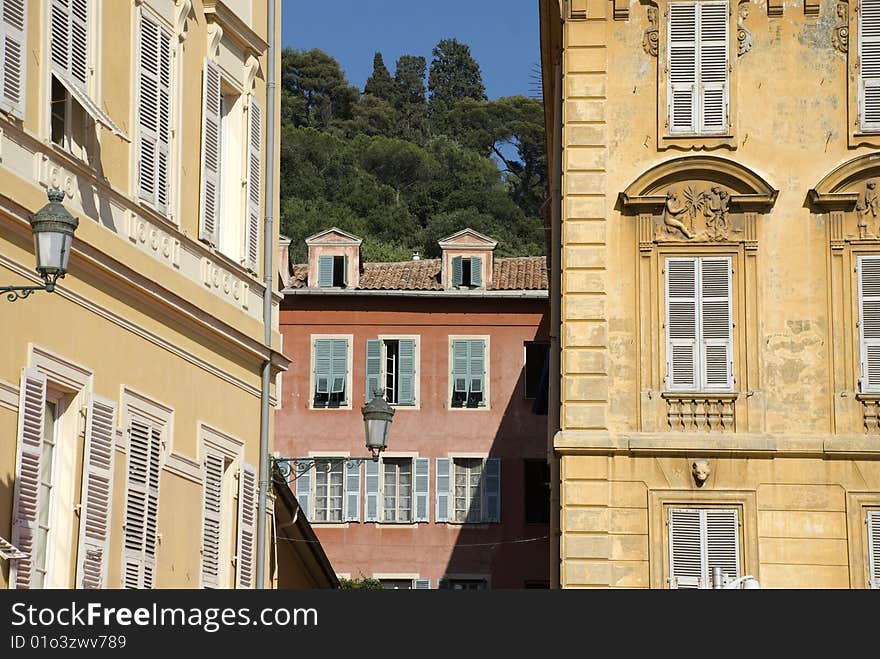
(717,291)
(130,398)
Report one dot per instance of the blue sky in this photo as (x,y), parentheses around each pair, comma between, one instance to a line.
(502,34)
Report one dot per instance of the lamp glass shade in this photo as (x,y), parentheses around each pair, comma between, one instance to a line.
(52,249)
(377,433)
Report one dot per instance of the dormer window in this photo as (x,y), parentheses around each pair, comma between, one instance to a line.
(467,271)
(332,271)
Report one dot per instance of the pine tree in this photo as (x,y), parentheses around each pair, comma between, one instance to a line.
(409,97)
(380,84)
(454,76)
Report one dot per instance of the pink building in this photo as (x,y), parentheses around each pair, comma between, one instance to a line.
(460,498)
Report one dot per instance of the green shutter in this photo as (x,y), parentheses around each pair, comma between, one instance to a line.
(460,353)
(476,271)
(477,359)
(325,271)
(406,372)
(323,371)
(456,271)
(339,367)
(374,368)
(493,490)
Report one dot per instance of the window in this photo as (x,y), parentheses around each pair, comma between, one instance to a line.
(537,491)
(699,324)
(869,323)
(332,271)
(391,365)
(464,584)
(467,271)
(873,523)
(396,490)
(468,490)
(330,373)
(468,502)
(537,355)
(43,537)
(329,490)
(13,62)
(869,65)
(469,373)
(701,540)
(698,83)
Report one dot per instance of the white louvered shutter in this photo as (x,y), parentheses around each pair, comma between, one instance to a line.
(69,36)
(422,489)
(716,324)
(686,557)
(869,322)
(722,542)
(255,184)
(210,221)
(212,506)
(154,115)
(873,522)
(682,67)
(26,499)
(869,64)
(13,62)
(422,584)
(247,527)
(353,492)
(713,66)
(97,494)
(304,491)
(140,532)
(682,361)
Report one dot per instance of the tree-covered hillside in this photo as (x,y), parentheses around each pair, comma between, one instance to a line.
(418,155)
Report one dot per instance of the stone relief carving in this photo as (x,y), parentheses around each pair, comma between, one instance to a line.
(153,240)
(701,471)
(679,213)
(183,9)
(840,33)
(743,36)
(868,204)
(682,208)
(224,284)
(651,37)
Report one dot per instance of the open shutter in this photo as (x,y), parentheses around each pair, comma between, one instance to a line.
(713,49)
(97,494)
(148,110)
(869,322)
(345,271)
(339,367)
(210,224)
(873,522)
(26,503)
(152,519)
(163,146)
(476,271)
(247,527)
(304,492)
(722,542)
(212,503)
(68,34)
(493,490)
(716,324)
(136,501)
(374,368)
(422,489)
(477,362)
(353,492)
(869,64)
(686,549)
(460,363)
(255,185)
(682,67)
(681,324)
(323,365)
(441,509)
(13,28)
(456,271)
(325,271)
(422,584)
(371,491)
(406,371)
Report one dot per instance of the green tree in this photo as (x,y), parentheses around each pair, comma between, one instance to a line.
(380,84)
(315,92)
(454,77)
(364,583)
(409,98)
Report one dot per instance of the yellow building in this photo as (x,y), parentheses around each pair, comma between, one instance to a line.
(716,291)
(130,398)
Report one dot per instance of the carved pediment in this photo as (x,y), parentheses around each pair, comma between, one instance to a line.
(851,196)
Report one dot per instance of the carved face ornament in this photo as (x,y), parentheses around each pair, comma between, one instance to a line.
(701,471)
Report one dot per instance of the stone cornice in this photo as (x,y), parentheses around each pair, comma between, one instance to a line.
(234,28)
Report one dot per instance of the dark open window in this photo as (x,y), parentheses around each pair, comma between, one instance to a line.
(537,492)
(536,354)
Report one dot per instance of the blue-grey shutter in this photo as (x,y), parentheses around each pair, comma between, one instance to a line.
(374,368)
(456,271)
(477,366)
(460,354)
(304,491)
(422,489)
(476,271)
(441,511)
(371,492)
(493,490)
(325,271)
(406,371)
(422,584)
(323,365)
(353,492)
(339,367)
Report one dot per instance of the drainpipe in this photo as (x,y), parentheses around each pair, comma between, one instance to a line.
(268,279)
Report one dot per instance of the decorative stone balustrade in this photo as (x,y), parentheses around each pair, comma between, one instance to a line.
(701,412)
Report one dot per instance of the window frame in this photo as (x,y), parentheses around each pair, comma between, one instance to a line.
(227,217)
(416,339)
(470,497)
(349,338)
(485,403)
(412,491)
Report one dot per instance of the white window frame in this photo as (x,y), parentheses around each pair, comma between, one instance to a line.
(487,378)
(348,375)
(412,490)
(453,517)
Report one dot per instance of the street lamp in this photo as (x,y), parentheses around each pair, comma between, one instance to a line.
(377,425)
(53,228)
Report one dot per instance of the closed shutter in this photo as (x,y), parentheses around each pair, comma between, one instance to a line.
(212,505)
(247,527)
(353,492)
(255,164)
(140,532)
(682,67)
(26,500)
(406,371)
(869,64)
(456,271)
(722,542)
(686,549)
(460,364)
(374,369)
(210,221)
(97,494)
(13,31)
(681,324)
(493,490)
(339,359)
(713,66)
(422,489)
(477,363)
(304,491)
(325,271)
(441,509)
(154,115)
(68,34)
(422,584)
(371,491)
(716,324)
(873,522)
(476,271)
(869,322)
(323,365)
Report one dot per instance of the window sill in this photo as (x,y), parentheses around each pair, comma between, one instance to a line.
(330,525)
(341,408)
(465,408)
(397,525)
(720,395)
(688,141)
(473,526)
